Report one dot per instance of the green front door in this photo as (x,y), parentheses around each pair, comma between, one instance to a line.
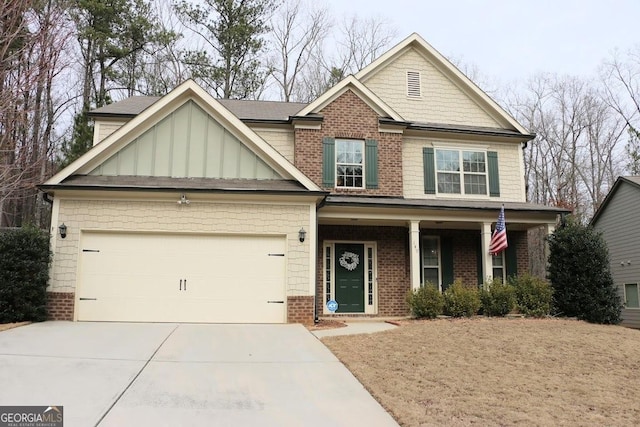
(349,274)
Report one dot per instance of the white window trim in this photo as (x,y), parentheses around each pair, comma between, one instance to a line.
(368,309)
(425,237)
(335,163)
(624,291)
(504,267)
(461,173)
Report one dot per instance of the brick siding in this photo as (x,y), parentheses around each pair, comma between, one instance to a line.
(60,305)
(300,310)
(393,263)
(350,117)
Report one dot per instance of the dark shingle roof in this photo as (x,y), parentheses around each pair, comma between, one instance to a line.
(141,183)
(243,109)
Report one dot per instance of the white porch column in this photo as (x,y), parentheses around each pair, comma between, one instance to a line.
(414,253)
(550,229)
(487,264)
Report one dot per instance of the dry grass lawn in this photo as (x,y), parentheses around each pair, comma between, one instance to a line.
(499,372)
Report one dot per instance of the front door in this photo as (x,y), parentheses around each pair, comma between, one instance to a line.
(349,275)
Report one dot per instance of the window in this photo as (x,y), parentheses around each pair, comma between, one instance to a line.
(498,266)
(431,260)
(631,297)
(349,163)
(471,178)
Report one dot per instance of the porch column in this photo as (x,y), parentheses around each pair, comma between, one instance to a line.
(414,253)
(550,229)
(487,264)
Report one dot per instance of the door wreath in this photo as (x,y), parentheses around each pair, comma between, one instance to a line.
(349,260)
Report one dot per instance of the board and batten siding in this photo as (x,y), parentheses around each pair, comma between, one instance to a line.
(199,217)
(441,100)
(619,223)
(510,167)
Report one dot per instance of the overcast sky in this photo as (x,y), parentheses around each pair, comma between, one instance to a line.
(512,40)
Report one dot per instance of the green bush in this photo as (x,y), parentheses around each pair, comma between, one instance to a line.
(24,273)
(580,275)
(426,301)
(498,299)
(533,295)
(460,300)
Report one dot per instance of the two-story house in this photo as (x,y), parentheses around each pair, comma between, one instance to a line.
(192,209)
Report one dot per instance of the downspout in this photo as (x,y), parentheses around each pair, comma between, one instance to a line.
(46,198)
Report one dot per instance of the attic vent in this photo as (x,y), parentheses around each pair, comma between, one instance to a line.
(413,84)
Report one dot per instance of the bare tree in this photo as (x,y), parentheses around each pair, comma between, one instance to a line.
(32,39)
(574,159)
(298,30)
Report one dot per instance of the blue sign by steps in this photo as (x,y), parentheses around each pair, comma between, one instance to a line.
(332,306)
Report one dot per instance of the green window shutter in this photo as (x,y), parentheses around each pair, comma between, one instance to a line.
(328,162)
(371,163)
(479,264)
(429,170)
(494,176)
(446,261)
(511,257)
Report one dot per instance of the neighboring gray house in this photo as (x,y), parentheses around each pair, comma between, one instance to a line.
(618,218)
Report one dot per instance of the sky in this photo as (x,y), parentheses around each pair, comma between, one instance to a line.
(512,40)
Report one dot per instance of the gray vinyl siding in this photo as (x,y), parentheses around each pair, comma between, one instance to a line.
(619,223)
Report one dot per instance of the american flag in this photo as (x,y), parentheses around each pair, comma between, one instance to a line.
(499,237)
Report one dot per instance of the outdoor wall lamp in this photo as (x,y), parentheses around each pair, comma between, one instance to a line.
(63,230)
(302,234)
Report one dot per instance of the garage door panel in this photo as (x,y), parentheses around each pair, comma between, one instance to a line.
(181,278)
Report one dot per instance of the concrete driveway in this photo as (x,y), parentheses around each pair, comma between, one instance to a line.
(160,374)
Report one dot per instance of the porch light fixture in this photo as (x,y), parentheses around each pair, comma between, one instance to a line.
(183,200)
(63,230)
(301,235)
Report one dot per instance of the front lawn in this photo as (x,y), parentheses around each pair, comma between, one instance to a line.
(486,371)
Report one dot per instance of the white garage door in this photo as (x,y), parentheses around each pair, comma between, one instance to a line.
(181,278)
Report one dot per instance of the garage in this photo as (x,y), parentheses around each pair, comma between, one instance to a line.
(167,277)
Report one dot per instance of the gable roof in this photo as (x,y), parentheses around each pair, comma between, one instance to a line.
(188,90)
(631,180)
(247,110)
(364,93)
(444,65)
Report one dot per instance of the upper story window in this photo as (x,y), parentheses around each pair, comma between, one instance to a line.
(349,163)
(461,172)
(472,172)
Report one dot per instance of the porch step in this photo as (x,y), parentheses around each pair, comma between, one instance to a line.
(347,317)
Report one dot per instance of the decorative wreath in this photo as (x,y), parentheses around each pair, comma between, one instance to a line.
(349,260)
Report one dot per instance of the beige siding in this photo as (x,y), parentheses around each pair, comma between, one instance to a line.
(280,139)
(168,216)
(442,100)
(187,144)
(620,226)
(509,168)
(104,129)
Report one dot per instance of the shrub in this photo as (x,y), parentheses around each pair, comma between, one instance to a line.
(460,300)
(426,301)
(533,295)
(24,272)
(580,275)
(498,299)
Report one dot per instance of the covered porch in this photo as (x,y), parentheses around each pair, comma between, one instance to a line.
(372,251)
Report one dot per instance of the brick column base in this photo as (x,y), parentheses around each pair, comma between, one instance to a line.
(300,309)
(60,305)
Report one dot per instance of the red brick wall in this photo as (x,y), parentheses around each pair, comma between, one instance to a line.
(393,263)
(350,117)
(466,244)
(60,305)
(520,240)
(300,310)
